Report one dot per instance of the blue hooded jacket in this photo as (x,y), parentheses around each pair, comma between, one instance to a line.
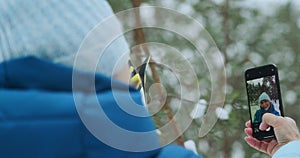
(260,112)
(38,117)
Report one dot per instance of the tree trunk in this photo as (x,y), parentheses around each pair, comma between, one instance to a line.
(140,39)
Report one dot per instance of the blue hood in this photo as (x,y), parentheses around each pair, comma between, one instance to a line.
(34,73)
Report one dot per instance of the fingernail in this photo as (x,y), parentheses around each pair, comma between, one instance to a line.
(260,126)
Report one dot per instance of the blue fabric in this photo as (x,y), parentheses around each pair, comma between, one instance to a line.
(290,150)
(38,117)
(176,151)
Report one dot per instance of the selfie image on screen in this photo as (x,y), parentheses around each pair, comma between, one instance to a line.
(263,97)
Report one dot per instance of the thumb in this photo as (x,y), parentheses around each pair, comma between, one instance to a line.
(263,126)
(269,120)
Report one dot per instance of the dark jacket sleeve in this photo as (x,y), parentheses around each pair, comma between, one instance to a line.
(257,117)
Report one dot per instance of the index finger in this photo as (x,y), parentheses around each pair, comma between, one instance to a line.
(248,124)
(271,119)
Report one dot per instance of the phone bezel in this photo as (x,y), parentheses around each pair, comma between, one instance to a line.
(259,72)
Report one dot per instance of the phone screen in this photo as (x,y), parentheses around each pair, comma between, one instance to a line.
(264,96)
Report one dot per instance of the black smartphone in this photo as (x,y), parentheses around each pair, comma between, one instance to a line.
(263,92)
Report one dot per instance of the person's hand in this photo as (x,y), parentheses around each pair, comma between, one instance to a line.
(285,130)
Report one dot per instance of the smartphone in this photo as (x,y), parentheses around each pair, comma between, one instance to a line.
(263,92)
